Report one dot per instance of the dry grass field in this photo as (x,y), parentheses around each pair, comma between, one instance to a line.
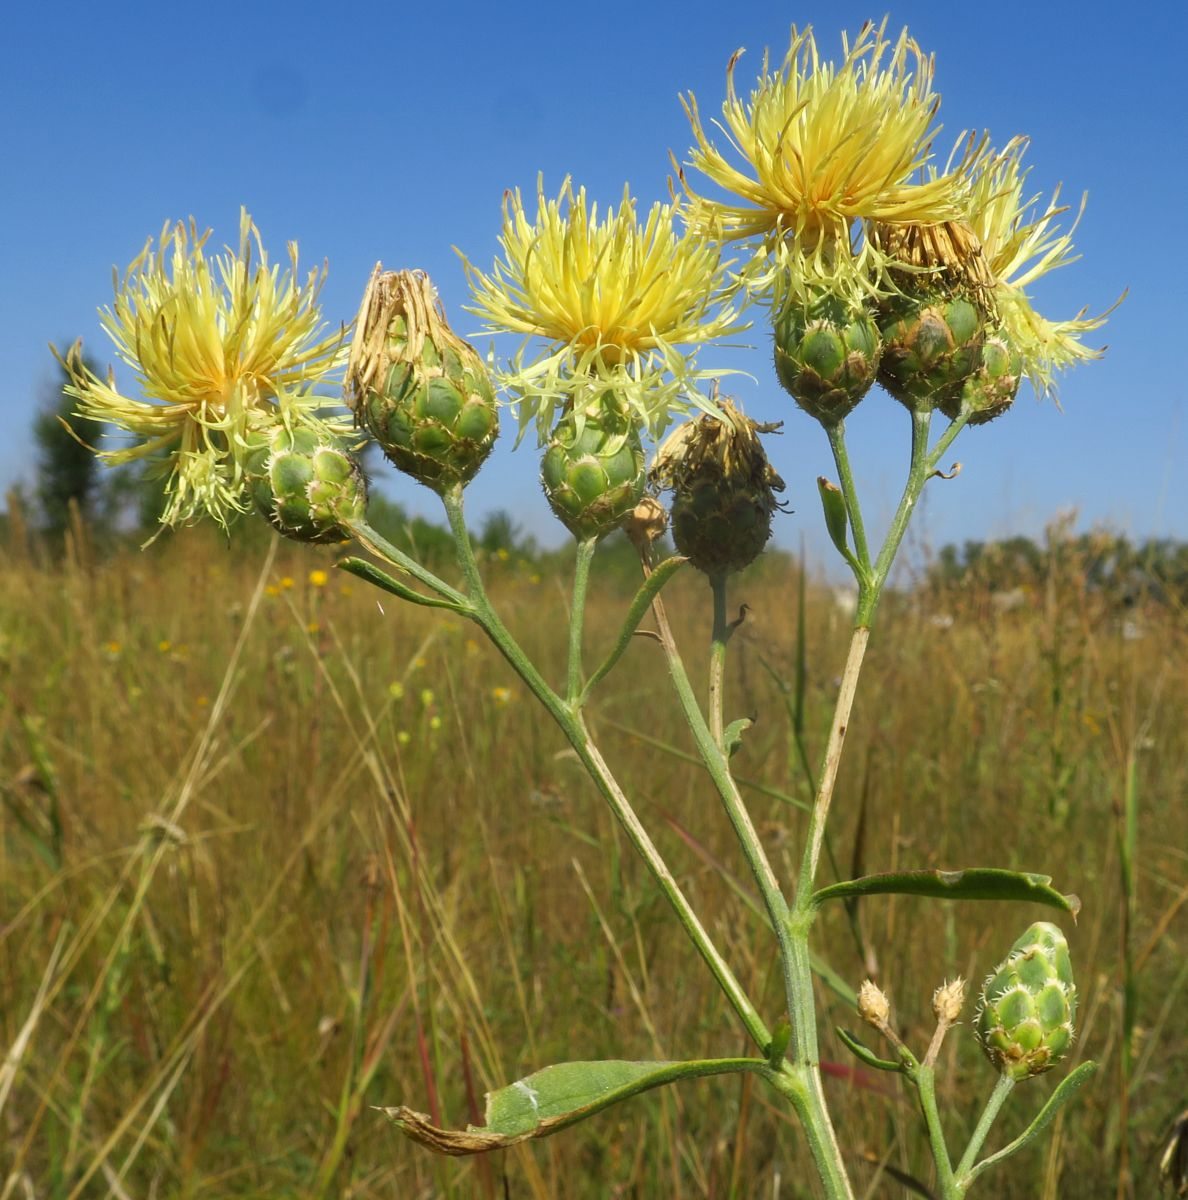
(273,853)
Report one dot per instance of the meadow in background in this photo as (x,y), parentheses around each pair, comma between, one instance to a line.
(271,858)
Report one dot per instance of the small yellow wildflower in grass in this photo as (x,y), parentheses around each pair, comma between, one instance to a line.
(318,578)
(271,590)
(112,648)
(287,583)
(825,148)
(214,344)
(435,723)
(501,695)
(313,627)
(427,697)
(396,690)
(1021,242)
(164,646)
(403,737)
(612,301)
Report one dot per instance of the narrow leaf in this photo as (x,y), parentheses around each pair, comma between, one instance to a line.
(1068,1088)
(639,606)
(867,1055)
(556,1097)
(977,883)
(370,573)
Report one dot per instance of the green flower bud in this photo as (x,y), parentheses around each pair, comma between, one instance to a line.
(826,356)
(991,389)
(931,345)
(1028,1005)
(934,325)
(304,481)
(416,387)
(723,489)
(592,471)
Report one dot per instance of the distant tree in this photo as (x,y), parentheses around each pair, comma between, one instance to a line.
(66,468)
(501,531)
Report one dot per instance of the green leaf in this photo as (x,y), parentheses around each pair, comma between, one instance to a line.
(639,606)
(556,1097)
(732,735)
(836,517)
(370,573)
(778,1046)
(1069,1087)
(867,1055)
(977,883)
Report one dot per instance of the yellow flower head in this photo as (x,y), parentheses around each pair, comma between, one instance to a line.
(213,342)
(825,148)
(613,301)
(1021,242)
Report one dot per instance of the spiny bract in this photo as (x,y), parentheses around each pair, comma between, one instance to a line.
(416,387)
(1027,1006)
(305,482)
(592,471)
(826,356)
(723,489)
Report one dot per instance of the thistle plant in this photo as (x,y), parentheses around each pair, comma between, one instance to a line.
(870,263)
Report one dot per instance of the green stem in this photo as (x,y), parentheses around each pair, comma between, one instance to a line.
(384,549)
(577,613)
(1002,1089)
(721,635)
(841,457)
(802,1088)
(719,772)
(924,1077)
(829,770)
(801,1073)
(571,725)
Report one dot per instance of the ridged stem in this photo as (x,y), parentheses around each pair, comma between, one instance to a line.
(801,1073)
(572,726)
(924,1077)
(577,614)
(841,457)
(1002,1089)
(717,670)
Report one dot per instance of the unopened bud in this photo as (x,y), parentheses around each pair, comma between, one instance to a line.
(647,524)
(873,1006)
(947,1001)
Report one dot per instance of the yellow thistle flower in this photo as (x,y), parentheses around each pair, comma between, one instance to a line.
(213,342)
(613,301)
(825,148)
(1020,243)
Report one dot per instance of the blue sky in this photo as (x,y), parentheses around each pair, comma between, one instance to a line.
(390,131)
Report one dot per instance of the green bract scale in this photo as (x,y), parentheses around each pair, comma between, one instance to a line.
(592,471)
(723,489)
(934,327)
(303,479)
(416,387)
(826,356)
(992,388)
(1027,1007)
